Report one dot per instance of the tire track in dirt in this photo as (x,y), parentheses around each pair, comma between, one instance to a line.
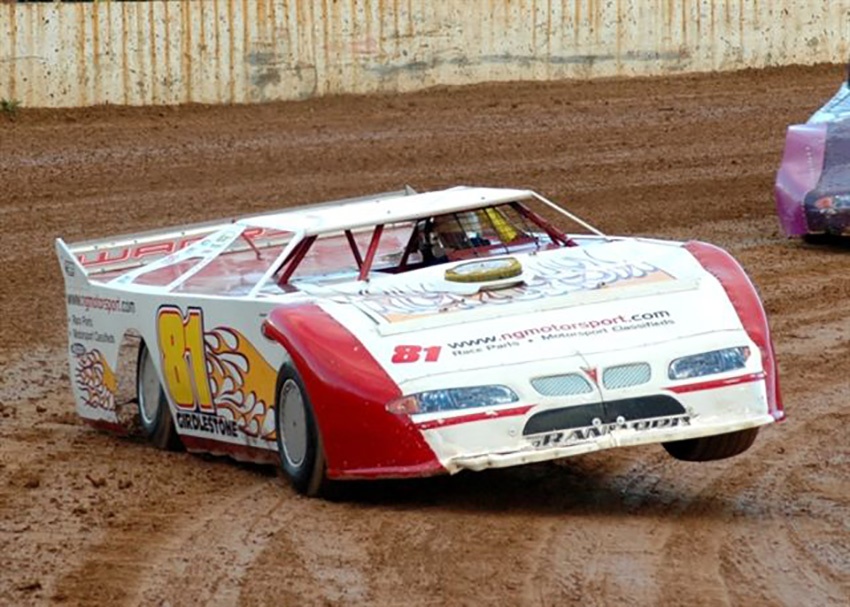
(166,539)
(771,490)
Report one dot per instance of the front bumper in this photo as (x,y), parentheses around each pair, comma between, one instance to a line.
(551,430)
(822,219)
(625,437)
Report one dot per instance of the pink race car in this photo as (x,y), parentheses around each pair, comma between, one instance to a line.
(813,182)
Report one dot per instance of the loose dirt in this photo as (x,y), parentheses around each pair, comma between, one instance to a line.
(88,518)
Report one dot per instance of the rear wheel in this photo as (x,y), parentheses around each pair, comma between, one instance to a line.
(154,416)
(299,444)
(709,448)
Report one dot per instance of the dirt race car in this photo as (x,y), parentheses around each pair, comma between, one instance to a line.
(813,183)
(410,334)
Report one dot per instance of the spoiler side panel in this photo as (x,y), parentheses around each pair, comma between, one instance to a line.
(97,321)
(802,164)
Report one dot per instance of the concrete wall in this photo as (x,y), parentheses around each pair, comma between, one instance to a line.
(235,51)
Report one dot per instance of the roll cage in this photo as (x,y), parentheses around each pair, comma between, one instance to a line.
(474,233)
(324,245)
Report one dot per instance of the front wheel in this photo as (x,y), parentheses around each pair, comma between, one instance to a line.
(154,416)
(710,448)
(299,443)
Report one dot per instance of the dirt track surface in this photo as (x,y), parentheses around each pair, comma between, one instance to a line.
(89,518)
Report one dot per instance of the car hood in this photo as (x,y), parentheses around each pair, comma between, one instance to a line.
(603,295)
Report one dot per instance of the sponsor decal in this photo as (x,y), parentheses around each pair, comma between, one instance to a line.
(98,337)
(119,254)
(210,424)
(575,436)
(89,302)
(81,329)
(558,331)
(546,277)
(622,322)
(94,377)
(106,256)
(70,269)
(217,373)
(81,321)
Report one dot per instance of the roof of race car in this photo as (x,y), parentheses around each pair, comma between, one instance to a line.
(837,108)
(384,210)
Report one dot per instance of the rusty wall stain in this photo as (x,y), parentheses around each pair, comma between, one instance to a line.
(217,62)
(12,28)
(126,36)
(232,51)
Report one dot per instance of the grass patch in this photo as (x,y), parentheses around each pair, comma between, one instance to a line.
(10,107)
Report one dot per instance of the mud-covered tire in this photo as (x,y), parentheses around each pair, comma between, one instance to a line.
(154,415)
(299,443)
(709,448)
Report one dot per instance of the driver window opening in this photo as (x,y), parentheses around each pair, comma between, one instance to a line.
(485,232)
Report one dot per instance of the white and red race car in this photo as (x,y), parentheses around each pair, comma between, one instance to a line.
(409,334)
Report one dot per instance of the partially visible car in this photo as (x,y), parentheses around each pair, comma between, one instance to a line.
(813,182)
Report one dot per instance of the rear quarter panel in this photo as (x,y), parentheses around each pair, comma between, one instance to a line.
(218,371)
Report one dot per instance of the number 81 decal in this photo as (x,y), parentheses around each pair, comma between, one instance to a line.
(184,365)
(413,354)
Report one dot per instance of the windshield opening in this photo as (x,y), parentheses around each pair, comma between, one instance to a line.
(349,255)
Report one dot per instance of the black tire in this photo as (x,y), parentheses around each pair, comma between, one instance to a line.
(709,448)
(817,239)
(299,443)
(154,414)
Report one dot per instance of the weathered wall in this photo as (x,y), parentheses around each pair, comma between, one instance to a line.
(166,52)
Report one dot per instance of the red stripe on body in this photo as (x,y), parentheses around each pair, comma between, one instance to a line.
(349,391)
(713,384)
(472,417)
(242,453)
(747,303)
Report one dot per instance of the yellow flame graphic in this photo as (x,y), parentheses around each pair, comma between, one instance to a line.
(97,381)
(242,382)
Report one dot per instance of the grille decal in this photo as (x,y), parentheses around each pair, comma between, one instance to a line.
(580,416)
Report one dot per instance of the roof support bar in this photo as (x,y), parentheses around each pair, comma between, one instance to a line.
(354,248)
(553,232)
(412,245)
(370,254)
(295,258)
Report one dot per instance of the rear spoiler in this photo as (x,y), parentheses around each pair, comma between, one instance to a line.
(119,253)
(72,268)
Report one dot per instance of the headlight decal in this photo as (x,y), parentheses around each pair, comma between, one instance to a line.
(709,363)
(473,397)
(451,406)
(452,399)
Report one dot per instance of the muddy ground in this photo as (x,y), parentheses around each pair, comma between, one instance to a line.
(88,518)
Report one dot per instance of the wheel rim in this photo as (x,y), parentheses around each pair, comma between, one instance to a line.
(292,424)
(149,392)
